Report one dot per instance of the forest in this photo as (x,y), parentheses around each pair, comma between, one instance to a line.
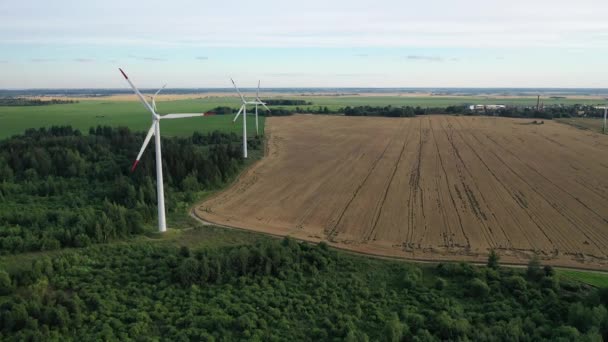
(60,188)
(278,290)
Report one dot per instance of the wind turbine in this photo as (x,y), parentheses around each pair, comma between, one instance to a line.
(257,98)
(153,97)
(155,130)
(244,110)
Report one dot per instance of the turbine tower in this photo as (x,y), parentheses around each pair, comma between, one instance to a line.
(155,130)
(605,114)
(244,110)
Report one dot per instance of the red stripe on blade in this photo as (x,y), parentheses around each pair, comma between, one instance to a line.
(134,165)
(123,73)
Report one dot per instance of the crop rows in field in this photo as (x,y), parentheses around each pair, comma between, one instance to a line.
(433,187)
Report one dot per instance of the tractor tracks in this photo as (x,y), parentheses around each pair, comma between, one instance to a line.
(331,233)
(371,234)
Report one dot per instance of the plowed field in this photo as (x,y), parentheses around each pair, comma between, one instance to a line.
(429,188)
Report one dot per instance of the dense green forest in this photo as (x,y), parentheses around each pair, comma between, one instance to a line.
(283,290)
(60,188)
(21,101)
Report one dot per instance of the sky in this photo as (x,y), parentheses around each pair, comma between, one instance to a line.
(312,43)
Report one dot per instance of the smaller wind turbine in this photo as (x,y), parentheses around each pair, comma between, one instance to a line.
(244,110)
(153,97)
(257,98)
(155,130)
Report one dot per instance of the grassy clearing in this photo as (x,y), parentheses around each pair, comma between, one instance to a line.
(593,124)
(596,279)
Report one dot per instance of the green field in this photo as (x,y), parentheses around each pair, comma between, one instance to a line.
(87,114)
(132,114)
(596,279)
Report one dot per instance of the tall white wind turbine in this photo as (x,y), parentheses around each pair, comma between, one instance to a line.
(155,130)
(257,98)
(244,110)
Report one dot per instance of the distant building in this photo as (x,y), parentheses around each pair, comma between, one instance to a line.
(483,108)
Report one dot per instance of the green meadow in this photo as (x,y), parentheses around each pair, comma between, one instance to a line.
(90,113)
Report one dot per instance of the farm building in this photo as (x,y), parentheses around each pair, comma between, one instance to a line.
(481,108)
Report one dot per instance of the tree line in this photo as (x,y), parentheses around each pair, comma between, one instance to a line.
(23,101)
(286,102)
(60,188)
(548,112)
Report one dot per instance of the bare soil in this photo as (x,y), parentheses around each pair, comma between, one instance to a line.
(428,188)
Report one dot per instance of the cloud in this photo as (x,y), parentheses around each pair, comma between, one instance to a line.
(348,74)
(150,59)
(425,58)
(42,60)
(285,74)
(83,60)
(441,23)
(202,58)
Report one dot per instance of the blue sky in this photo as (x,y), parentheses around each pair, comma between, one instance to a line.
(436,43)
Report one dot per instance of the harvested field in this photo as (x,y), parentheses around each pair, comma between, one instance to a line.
(429,188)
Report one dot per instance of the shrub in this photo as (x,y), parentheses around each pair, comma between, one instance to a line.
(493,259)
(6,285)
(478,288)
(534,271)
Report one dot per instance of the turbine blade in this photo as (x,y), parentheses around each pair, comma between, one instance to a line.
(237,114)
(143,147)
(158,91)
(153,97)
(141,97)
(263,104)
(238,91)
(181,115)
